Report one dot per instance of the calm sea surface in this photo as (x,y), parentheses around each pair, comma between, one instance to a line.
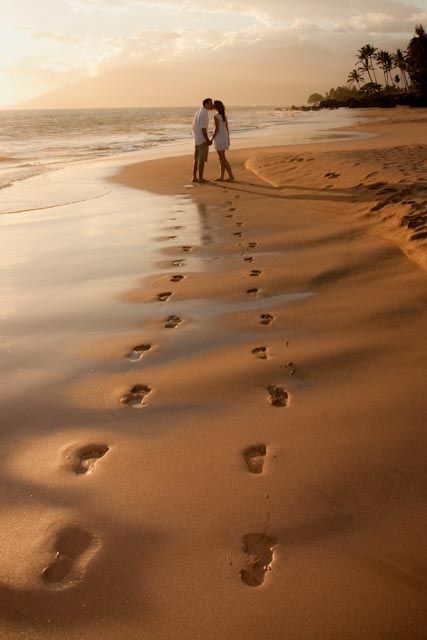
(32,142)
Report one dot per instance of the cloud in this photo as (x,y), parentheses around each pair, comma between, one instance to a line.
(371,16)
(376,23)
(274,9)
(57,37)
(163,46)
(99,5)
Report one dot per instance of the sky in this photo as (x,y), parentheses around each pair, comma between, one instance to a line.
(173,52)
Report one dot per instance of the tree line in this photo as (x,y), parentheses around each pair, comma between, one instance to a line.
(382,78)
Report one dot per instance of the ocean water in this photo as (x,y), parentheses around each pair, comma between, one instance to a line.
(36,141)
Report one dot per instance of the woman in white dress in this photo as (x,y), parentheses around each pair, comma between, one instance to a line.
(221,139)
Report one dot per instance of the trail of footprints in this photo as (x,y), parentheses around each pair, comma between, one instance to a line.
(258,548)
(73,546)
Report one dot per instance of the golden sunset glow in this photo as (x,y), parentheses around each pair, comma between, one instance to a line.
(142,53)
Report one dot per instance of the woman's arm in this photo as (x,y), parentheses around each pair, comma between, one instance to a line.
(216,127)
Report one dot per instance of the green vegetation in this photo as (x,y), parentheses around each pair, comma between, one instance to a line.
(383,79)
(416,60)
(315,97)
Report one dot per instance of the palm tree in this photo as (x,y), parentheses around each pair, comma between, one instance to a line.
(365,65)
(355,77)
(370,52)
(385,61)
(365,57)
(380,61)
(399,62)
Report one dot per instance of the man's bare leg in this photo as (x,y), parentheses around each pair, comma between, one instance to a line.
(201,172)
(195,167)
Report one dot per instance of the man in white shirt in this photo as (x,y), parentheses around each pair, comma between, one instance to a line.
(201,139)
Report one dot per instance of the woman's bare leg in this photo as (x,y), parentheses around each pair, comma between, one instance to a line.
(221,162)
(227,166)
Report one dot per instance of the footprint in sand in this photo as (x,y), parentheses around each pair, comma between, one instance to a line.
(177,278)
(252,245)
(266,319)
(238,234)
(178,263)
(172,322)
(278,396)
(232,209)
(255,273)
(259,550)
(260,352)
(136,396)
(239,224)
(187,248)
(230,215)
(253,291)
(172,237)
(164,296)
(255,457)
(248,259)
(84,458)
(292,368)
(331,174)
(72,550)
(138,352)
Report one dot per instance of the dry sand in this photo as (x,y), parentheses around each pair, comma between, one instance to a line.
(257,468)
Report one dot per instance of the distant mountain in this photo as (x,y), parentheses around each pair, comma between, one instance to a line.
(176,84)
(129,87)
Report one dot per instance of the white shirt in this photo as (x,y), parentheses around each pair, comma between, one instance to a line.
(201,121)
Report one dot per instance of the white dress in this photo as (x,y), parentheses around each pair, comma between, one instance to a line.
(222,139)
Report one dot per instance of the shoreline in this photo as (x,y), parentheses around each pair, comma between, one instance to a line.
(9,179)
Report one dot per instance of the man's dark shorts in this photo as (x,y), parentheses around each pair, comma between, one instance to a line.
(201,152)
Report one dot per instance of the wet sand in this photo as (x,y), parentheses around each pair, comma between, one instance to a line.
(229,444)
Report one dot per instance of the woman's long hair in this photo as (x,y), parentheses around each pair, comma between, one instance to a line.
(219,106)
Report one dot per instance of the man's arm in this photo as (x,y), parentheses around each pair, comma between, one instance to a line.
(205,122)
(205,133)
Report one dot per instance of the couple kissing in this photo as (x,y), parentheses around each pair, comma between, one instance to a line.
(220,139)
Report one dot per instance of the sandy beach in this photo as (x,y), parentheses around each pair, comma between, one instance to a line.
(231,444)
